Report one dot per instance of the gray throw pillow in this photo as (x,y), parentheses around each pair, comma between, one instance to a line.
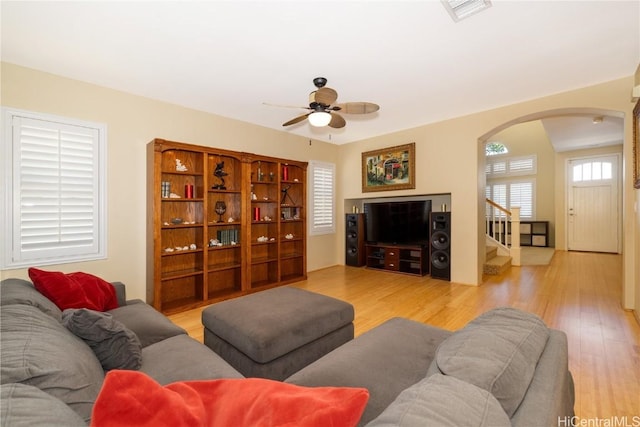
(24,405)
(148,324)
(498,351)
(115,346)
(443,401)
(37,350)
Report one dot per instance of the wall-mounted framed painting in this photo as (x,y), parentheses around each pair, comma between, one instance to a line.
(390,168)
(636,145)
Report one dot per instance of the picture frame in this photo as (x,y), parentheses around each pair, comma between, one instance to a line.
(390,168)
(636,145)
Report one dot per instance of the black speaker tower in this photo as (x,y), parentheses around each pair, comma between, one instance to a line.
(440,245)
(355,237)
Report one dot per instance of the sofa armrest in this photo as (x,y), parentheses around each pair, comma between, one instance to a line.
(551,394)
(121,293)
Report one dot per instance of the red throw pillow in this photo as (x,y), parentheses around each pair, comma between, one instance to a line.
(75,290)
(132,398)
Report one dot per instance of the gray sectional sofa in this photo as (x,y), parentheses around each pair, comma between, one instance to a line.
(493,372)
(49,376)
(504,368)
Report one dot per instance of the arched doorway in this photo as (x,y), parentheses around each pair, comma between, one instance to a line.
(560,216)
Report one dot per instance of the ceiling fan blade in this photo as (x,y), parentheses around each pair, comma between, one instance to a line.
(337,121)
(324,95)
(285,106)
(296,120)
(358,107)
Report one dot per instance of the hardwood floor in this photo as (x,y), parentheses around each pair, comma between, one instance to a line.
(578,293)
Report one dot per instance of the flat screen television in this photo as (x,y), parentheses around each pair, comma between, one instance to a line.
(401,222)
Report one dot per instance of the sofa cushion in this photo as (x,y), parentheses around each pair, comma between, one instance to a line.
(133,398)
(182,358)
(498,351)
(19,291)
(39,351)
(385,360)
(443,401)
(23,405)
(75,290)
(148,324)
(115,346)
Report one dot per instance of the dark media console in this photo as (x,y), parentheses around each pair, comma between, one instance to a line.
(407,259)
(400,236)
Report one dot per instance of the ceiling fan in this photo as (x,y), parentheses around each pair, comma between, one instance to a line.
(323,112)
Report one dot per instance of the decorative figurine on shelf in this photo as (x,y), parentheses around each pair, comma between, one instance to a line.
(220,174)
(180,167)
(285,196)
(260,174)
(220,209)
(271,176)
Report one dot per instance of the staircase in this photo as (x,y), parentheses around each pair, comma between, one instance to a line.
(503,246)
(495,264)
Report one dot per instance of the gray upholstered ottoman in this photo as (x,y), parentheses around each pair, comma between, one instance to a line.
(275,333)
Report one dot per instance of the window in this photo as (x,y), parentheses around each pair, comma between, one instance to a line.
(321,198)
(494,148)
(593,171)
(55,192)
(508,187)
(513,193)
(511,166)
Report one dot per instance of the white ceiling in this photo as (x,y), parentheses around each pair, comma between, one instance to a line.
(568,133)
(229,58)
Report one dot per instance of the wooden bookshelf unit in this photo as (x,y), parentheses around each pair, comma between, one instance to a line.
(221,224)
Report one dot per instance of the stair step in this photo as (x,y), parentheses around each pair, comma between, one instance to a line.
(497,265)
(491,252)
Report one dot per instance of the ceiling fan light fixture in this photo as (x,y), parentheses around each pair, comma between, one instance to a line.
(319,118)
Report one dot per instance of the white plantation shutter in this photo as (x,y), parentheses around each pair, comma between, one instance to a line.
(57,190)
(498,168)
(513,193)
(511,166)
(497,193)
(521,194)
(508,186)
(322,197)
(522,165)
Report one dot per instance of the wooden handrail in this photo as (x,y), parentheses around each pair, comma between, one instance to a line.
(510,242)
(497,206)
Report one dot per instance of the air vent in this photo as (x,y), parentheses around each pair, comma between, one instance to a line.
(460,9)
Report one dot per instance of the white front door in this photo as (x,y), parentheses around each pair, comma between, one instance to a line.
(593,206)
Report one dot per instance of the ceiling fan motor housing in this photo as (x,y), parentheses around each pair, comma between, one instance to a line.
(319,82)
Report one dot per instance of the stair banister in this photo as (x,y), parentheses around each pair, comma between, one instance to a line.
(515,236)
(512,216)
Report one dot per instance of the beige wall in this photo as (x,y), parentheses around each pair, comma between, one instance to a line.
(450,159)
(132,122)
(531,138)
